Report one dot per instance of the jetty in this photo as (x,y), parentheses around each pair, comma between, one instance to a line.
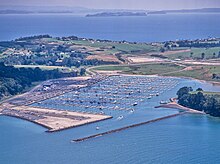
(127,127)
(52,119)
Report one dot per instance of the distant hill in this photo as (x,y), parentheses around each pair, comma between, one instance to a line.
(94,12)
(157,12)
(204,10)
(15,12)
(117,14)
(142,13)
(45,9)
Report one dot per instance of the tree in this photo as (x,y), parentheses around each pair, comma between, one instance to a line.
(166,44)
(162,50)
(82,71)
(203,55)
(199,101)
(214,55)
(183,91)
(214,76)
(199,90)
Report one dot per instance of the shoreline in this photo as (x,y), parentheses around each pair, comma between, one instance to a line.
(175,105)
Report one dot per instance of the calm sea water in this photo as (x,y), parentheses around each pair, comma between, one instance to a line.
(183,139)
(142,29)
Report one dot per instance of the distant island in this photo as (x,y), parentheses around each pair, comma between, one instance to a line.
(187,11)
(145,13)
(117,14)
(203,10)
(157,12)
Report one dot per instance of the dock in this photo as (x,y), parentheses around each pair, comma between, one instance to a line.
(127,127)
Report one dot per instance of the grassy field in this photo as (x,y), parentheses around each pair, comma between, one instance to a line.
(166,69)
(199,72)
(197,52)
(42,67)
(118,47)
(145,69)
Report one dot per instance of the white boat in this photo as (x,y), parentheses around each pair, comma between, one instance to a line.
(116,107)
(132,110)
(163,102)
(135,104)
(120,117)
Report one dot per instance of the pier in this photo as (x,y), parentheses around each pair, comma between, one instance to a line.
(126,127)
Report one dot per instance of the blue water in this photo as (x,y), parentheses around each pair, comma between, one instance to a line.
(141,29)
(183,139)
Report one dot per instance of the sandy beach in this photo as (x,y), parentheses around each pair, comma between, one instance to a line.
(175,105)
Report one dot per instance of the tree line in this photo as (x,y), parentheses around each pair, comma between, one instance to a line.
(16,80)
(210,104)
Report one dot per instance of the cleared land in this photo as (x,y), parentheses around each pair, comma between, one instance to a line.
(109,58)
(143,60)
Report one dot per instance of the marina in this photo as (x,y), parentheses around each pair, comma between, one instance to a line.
(87,100)
(123,93)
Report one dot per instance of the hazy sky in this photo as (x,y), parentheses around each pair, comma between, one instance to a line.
(120,4)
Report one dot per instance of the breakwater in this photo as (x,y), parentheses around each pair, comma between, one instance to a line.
(126,127)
